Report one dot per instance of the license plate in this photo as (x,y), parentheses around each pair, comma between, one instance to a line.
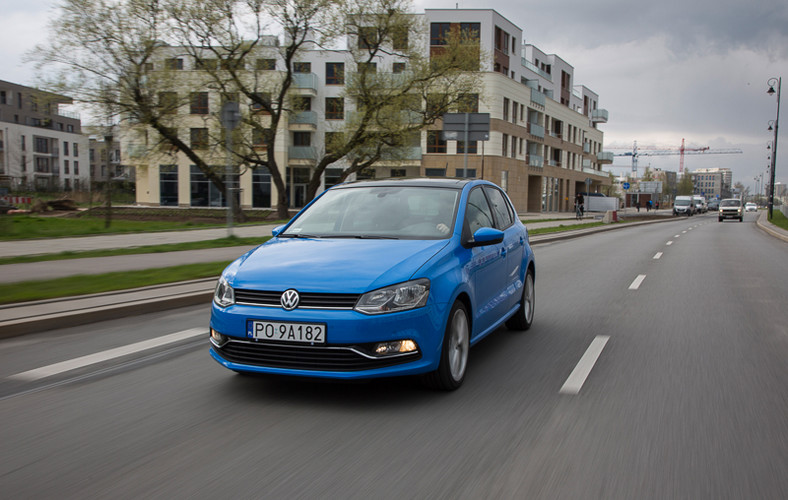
(301,333)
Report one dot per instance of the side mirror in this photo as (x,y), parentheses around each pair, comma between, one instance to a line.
(486,236)
(278,229)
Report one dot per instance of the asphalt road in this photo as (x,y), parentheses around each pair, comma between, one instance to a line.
(685,395)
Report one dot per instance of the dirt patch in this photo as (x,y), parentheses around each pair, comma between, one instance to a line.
(174,214)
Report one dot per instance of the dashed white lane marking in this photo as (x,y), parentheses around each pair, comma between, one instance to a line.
(684,232)
(579,375)
(677,236)
(636,284)
(669,243)
(657,255)
(90,359)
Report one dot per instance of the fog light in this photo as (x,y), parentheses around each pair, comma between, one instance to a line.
(217,338)
(395,347)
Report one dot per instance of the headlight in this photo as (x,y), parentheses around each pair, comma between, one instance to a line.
(394,298)
(224,295)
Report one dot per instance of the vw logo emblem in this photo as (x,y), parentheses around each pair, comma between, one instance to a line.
(289,299)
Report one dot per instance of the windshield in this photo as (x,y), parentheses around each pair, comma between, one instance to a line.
(682,203)
(730,203)
(406,212)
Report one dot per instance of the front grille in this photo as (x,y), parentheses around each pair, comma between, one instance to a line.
(306,357)
(307,300)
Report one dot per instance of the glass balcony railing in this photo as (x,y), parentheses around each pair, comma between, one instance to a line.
(305,81)
(599,116)
(536,130)
(304,117)
(302,152)
(605,157)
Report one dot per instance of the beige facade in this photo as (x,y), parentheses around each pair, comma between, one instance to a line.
(541,150)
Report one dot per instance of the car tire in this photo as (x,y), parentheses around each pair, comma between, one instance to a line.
(454,352)
(524,316)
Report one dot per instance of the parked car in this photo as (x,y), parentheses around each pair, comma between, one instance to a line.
(751,207)
(731,208)
(377,279)
(683,205)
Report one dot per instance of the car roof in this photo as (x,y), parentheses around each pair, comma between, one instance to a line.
(443,182)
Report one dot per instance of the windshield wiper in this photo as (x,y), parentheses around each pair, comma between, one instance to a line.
(299,235)
(364,236)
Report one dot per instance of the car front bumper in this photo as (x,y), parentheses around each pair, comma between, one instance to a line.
(348,352)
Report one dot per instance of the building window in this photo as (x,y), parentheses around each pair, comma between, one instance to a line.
(266,64)
(335,73)
(302,139)
(205,64)
(259,101)
(472,148)
(506,109)
(65,148)
(399,172)
(470,173)
(302,67)
(399,38)
(258,138)
(435,172)
(199,103)
(2,97)
(335,108)
(199,138)
(204,193)
(435,143)
(75,149)
(468,103)
(261,187)
(514,147)
(367,67)
(469,32)
(168,102)
(332,177)
(504,145)
(76,167)
(168,185)
(173,63)
(40,145)
(69,128)
(66,167)
(439,33)
(367,37)
(23,163)
(398,67)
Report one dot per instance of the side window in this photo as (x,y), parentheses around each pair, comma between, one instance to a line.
(503,215)
(478,213)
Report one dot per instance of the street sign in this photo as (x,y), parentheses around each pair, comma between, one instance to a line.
(478,126)
(625,185)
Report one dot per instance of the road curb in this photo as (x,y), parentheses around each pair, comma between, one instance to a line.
(763,223)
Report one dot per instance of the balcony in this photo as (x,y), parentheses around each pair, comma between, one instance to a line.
(536,130)
(586,147)
(531,66)
(535,161)
(599,116)
(136,151)
(537,97)
(605,157)
(302,155)
(303,121)
(591,171)
(305,84)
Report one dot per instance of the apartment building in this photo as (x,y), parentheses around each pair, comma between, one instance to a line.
(544,142)
(41,146)
(712,182)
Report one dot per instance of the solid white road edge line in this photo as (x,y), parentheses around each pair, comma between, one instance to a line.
(636,284)
(90,359)
(579,375)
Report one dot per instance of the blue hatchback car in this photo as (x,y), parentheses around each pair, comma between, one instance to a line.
(377,279)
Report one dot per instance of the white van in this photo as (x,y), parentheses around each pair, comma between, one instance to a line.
(684,205)
(700,204)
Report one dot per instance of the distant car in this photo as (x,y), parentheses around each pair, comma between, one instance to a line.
(751,207)
(714,205)
(377,279)
(731,208)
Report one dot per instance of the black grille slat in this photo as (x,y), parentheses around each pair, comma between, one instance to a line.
(312,300)
(305,357)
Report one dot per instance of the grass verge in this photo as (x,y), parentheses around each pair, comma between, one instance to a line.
(562,227)
(97,283)
(231,241)
(779,220)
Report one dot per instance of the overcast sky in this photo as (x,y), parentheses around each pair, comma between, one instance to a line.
(666,70)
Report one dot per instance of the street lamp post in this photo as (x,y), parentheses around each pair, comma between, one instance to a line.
(771,83)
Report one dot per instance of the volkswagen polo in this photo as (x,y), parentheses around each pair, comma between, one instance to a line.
(377,279)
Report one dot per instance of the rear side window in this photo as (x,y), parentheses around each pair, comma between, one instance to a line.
(503,212)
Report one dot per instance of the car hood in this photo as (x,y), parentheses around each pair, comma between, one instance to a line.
(330,265)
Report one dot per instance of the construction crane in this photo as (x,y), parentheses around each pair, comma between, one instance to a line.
(652,151)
